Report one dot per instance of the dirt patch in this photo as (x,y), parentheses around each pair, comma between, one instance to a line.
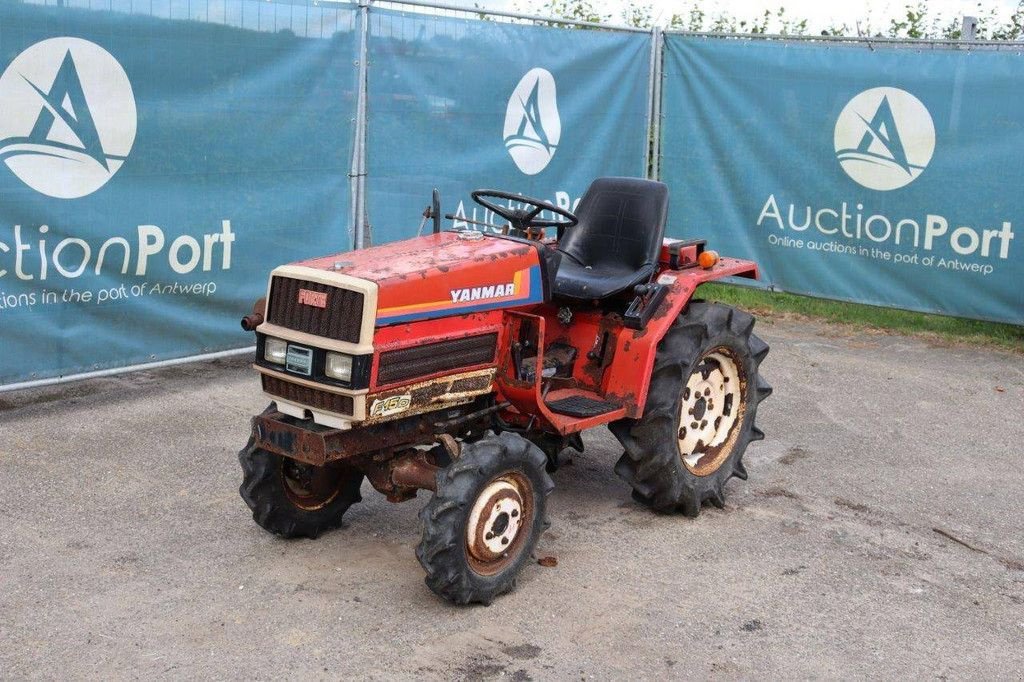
(523,651)
(776,491)
(851,505)
(752,626)
(794,455)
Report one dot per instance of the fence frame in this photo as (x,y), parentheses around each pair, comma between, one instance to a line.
(360,221)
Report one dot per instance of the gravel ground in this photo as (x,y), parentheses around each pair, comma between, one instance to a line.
(879,535)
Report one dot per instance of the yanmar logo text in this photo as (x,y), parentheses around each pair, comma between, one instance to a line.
(482,293)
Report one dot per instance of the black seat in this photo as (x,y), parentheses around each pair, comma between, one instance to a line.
(616,244)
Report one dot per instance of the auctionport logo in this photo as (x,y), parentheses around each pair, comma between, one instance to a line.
(884,138)
(532,125)
(69,117)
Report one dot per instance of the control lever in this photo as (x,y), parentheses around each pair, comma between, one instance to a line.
(433,211)
(640,311)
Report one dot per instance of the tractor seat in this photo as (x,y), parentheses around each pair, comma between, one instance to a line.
(618,239)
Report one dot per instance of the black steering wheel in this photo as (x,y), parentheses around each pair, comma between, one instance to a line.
(524,220)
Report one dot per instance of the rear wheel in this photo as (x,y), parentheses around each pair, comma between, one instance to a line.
(293,499)
(700,411)
(483,523)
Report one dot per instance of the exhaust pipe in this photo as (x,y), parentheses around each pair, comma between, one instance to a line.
(255,319)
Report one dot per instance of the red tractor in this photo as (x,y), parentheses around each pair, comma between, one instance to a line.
(465,362)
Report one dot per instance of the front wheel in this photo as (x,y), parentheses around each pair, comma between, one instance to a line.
(292,499)
(700,411)
(483,523)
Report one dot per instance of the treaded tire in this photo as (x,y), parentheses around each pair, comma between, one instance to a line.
(652,463)
(263,489)
(444,550)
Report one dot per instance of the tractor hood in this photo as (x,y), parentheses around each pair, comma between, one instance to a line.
(444,274)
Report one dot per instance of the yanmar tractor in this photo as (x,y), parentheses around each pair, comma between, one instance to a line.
(465,362)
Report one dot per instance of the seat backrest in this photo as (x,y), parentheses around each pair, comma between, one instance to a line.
(622,222)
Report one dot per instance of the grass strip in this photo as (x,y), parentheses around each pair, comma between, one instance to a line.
(953,329)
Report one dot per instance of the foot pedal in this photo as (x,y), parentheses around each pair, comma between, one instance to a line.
(581,406)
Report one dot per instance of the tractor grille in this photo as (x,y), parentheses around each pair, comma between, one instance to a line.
(313,397)
(421,361)
(341,319)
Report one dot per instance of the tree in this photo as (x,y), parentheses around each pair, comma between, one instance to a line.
(916,21)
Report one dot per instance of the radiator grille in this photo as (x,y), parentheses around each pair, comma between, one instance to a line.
(341,319)
(313,397)
(410,363)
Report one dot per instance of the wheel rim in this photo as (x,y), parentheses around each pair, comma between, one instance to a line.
(499,523)
(309,487)
(711,410)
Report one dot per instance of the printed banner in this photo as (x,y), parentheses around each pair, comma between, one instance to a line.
(887,176)
(155,168)
(462,104)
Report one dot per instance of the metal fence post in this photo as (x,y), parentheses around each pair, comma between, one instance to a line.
(969,28)
(357,174)
(655,130)
(648,140)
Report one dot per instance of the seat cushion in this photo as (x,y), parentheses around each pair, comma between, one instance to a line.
(617,241)
(593,283)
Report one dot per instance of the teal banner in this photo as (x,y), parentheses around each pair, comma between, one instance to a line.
(156,165)
(463,104)
(876,174)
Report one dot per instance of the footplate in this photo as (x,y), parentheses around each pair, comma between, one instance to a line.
(581,406)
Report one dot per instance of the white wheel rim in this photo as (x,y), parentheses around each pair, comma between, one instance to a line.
(709,410)
(495,521)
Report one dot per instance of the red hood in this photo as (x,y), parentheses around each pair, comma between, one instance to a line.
(442,274)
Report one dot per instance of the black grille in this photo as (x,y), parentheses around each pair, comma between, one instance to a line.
(341,319)
(420,361)
(304,395)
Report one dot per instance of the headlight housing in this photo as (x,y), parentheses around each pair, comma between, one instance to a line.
(275,350)
(339,366)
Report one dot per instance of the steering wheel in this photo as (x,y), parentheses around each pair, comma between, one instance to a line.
(524,220)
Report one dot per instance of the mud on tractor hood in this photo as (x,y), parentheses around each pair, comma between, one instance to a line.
(443,274)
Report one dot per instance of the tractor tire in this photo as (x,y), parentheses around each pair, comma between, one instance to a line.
(292,499)
(483,523)
(700,411)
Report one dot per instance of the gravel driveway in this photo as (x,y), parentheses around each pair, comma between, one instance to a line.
(879,535)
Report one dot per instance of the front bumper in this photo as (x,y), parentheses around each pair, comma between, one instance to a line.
(312,443)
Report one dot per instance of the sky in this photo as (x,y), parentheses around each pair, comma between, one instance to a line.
(819,13)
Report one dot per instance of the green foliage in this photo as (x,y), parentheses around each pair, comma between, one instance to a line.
(913,25)
(916,21)
(576,10)
(638,15)
(695,18)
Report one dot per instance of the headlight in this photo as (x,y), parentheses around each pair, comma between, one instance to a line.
(339,367)
(275,350)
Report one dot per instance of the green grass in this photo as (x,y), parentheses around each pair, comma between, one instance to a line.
(953,329)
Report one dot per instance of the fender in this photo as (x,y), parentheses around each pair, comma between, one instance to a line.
(629,379)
